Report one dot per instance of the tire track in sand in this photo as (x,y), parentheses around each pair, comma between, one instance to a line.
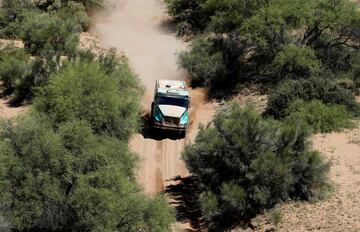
(142,30)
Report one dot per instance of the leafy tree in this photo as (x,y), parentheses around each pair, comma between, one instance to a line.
(245,164)
(82,90)
(72,180)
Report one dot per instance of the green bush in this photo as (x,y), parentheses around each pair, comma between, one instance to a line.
(296,62)
(13,13)
(321,89)
(76,12)
(187,12)
(91,4)
(205,64)
(15,66)
(320,117)
(50,37)
(22,75)
(245,164)
(82,90)
(72,180)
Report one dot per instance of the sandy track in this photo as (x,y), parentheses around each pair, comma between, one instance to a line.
(142,30)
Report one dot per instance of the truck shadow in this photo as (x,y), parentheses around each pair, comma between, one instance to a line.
(149,132)
(185,199)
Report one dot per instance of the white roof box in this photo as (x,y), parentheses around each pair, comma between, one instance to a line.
(171,87)
(171,84)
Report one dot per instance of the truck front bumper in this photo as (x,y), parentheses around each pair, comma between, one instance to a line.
(170,127)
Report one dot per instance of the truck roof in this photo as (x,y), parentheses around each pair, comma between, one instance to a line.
(174,87)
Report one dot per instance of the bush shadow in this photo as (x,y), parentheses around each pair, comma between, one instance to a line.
(185,199)
(167,26)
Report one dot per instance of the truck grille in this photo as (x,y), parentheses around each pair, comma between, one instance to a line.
(171,121)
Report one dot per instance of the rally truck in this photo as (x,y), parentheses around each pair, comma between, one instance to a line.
(170,108)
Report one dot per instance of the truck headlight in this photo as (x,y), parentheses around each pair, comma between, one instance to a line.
(184,118)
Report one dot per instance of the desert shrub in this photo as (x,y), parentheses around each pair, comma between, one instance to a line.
(321,117)
(72,180)
(50,37)
(13,13)
(76,12)
(187,12)
(356,77)
(296,62)
(82,90)
(20,74)
(204,63)
(321,89)
(15,65)
(276,216)
(245,164)
(91,4)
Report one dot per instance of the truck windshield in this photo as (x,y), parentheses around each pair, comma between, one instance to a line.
(183,102)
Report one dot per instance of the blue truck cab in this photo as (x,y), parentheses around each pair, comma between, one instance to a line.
(170,108)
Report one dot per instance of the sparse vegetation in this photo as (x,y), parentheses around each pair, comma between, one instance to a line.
(321,117)
(276,216)
(246,164)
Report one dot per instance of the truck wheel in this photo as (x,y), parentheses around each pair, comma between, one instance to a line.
(183,134)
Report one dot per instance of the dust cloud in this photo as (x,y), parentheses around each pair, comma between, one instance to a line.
(142,30)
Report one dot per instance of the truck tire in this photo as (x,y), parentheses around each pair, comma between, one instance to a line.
(182,134)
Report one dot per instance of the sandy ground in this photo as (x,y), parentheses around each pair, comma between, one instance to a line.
(16,43)
(7,111)
(143,31)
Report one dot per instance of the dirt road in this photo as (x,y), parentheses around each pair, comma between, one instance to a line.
(143,31)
